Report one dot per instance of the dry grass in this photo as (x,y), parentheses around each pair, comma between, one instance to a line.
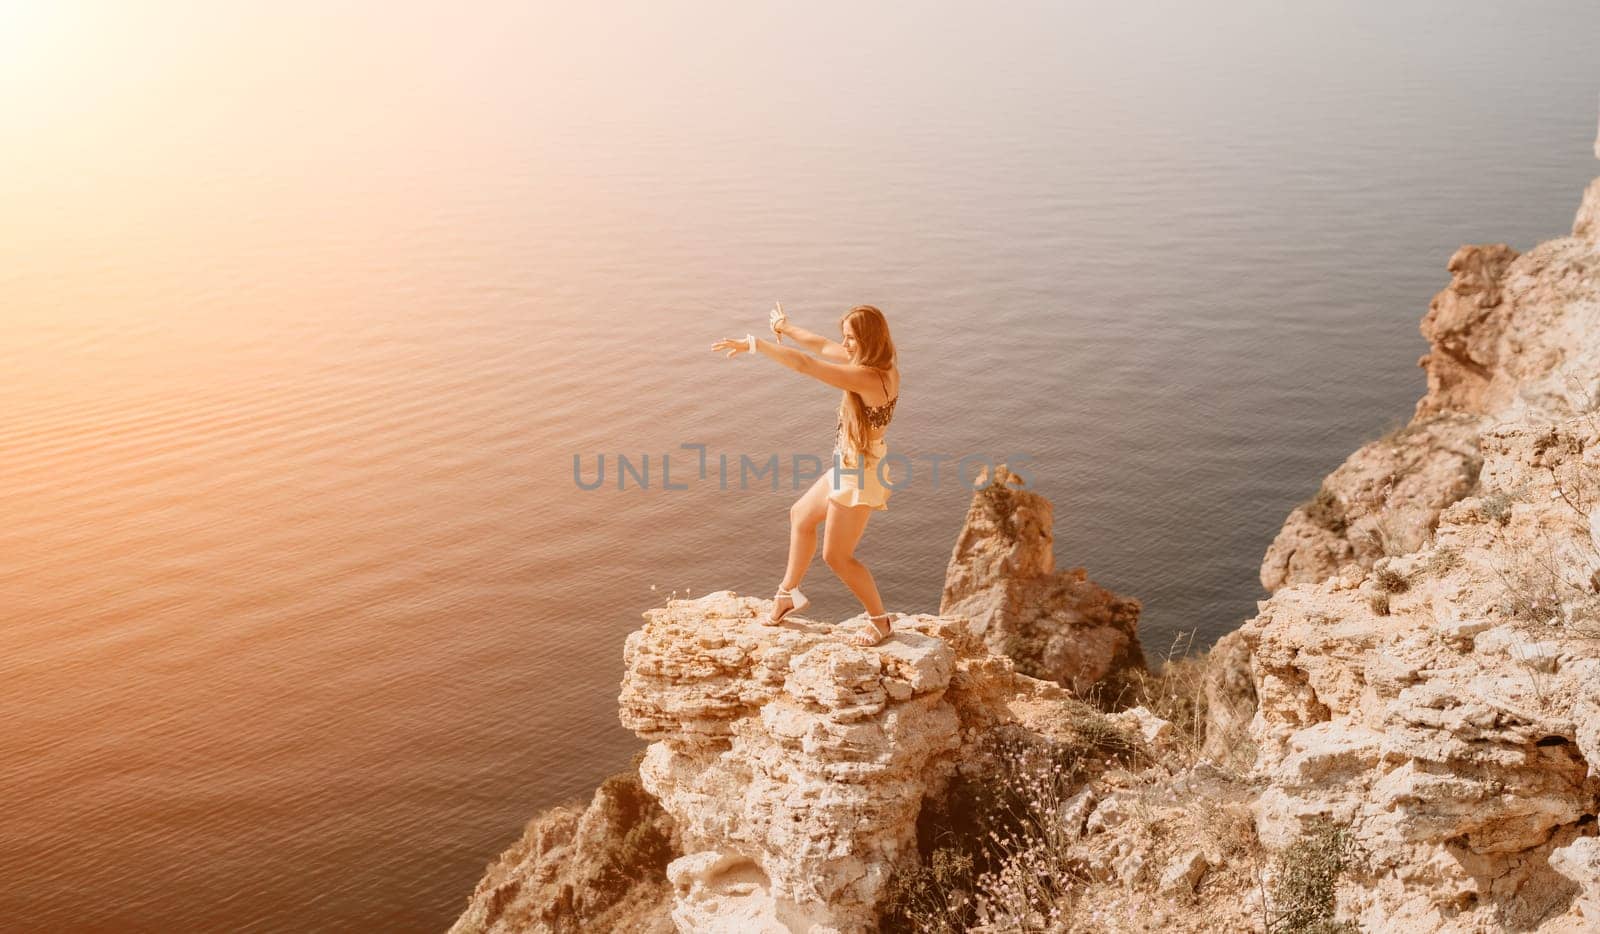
(1175,691)
(1006,848)
(1532,589)
(1391,536)
(997,847)
(1442,560)
(1495,507)
(1553,581)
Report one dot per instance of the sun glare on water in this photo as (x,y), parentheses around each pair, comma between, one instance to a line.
(26,29)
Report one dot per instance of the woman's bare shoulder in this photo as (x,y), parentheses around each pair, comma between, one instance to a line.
(890,387)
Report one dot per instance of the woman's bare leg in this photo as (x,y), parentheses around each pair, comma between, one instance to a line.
(844,527)
(804,516)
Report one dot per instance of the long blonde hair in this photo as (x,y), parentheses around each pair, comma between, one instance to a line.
(874,348)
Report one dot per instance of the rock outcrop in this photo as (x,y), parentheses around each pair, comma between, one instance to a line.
(794,765)
(1230,700)
(1587,224)
(1512,340)
(1437,692)
(599,866)
(1445,705)
(1056,625)
(787,769)
(1422,692)
(1384,499)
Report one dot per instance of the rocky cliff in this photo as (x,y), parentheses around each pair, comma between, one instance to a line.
(1445,705)
(792,777)
(1428,673)
(1405,738)
(1512,340)
(793,768)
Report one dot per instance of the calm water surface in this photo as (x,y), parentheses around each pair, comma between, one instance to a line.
(307,309)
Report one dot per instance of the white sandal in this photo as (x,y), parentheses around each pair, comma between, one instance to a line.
(862,638)
(797,601)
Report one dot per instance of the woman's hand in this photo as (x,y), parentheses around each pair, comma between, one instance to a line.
(733,345)
(777,320)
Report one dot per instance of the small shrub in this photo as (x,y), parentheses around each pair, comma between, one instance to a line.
(1443,560)
(1531,589)
(1534,607)
(1392,534)
(936,897)
(645,849)
(995,846)
(1495,507)
(1020,651)
(1097,739)
(1308,871)
(1392,581)
(1326,511)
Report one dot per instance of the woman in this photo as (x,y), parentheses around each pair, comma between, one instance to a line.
(864,367)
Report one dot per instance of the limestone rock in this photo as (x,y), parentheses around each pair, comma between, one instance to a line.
(1058,625)
(1230,695)
(1075,813)
(1384,499)
(1183,873)
(1156,733)
(793,764)
(1511,340)
(1587,224)
(1427,673)
(594,867)
(1464,330)
(1449,732)
(1580,862)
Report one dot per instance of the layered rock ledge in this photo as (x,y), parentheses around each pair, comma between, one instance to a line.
(795,764)
(1446,705)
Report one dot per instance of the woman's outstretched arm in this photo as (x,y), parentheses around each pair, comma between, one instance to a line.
(817,344)
(851,376)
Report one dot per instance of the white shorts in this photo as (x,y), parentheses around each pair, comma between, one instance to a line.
(846,489)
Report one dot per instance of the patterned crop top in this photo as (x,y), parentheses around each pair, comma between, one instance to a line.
(878,416)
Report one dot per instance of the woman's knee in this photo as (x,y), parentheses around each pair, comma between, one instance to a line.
(803,515)
(838,559)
